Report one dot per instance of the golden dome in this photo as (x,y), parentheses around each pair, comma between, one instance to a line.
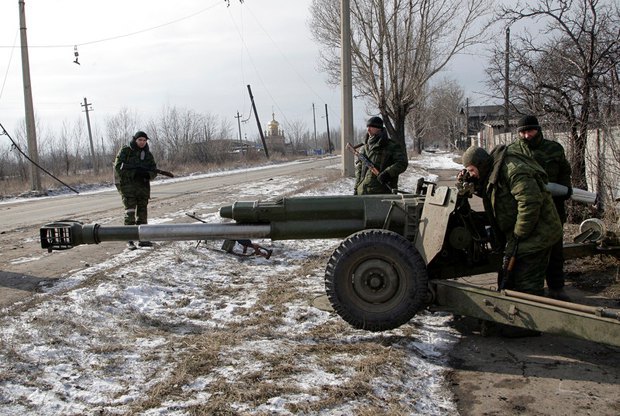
(273,125)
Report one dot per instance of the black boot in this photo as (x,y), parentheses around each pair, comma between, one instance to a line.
(559,294)
(508,331)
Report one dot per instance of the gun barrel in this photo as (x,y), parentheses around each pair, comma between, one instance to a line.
(65,235)
(284,219)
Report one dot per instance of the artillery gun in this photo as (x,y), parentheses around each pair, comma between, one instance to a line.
(399,255)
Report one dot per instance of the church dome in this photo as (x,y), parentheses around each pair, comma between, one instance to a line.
(273,127)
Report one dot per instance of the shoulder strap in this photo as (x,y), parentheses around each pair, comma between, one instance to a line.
(498,154)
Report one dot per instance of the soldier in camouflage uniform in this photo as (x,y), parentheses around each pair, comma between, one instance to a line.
(134,168)
(388,157)
(551,157)
(512,186)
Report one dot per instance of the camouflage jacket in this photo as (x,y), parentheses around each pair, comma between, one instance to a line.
(520,204)
(551,157)
(386,155)
(128,165)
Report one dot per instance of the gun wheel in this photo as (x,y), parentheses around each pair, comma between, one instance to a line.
(376,280)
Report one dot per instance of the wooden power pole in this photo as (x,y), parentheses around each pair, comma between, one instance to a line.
(507,83)
(33,153)
(346,80)
(93,156)
(260,129)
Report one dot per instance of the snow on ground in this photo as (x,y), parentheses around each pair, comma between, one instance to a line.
(182,329)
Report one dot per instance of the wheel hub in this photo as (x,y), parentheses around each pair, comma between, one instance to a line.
(375,281)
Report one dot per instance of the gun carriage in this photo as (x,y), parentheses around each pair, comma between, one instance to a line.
(399,254)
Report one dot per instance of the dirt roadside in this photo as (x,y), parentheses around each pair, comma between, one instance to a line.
(545,375)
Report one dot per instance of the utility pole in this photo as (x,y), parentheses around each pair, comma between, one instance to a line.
(467,122)
(316,144)
(238,117)
(507,82)
(329,141)
(260,129)
(347,88)
(31,134)
(93,157)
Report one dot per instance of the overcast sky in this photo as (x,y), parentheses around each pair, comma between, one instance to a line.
(192,54)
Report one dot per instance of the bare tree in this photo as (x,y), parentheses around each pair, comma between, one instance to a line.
(559,71)
(61,156)
(298,135)
(175,131)
(397,47)
(446,123)
(121,127)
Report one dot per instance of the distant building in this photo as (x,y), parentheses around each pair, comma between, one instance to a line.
(274,137)
(486,126)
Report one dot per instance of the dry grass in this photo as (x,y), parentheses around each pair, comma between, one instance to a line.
(13,187)
(258,375)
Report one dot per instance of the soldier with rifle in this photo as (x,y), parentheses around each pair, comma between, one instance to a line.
(551,157)
(512,186)
(380,161)
(134,168)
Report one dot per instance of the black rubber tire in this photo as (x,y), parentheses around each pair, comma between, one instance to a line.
(376,280)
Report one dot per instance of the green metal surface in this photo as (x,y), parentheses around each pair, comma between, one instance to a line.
(328,216)
(534,313)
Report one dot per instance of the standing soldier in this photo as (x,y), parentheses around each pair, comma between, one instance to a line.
(386,155)
(551,157)
(134,168)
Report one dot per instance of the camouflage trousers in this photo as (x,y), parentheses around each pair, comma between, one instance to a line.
(528,274)
(136,212)
(555,269)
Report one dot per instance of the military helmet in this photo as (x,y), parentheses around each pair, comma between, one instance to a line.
(478,157)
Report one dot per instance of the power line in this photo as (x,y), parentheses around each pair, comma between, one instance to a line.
(283,55)
(8,65)
(6,133)
(124,35)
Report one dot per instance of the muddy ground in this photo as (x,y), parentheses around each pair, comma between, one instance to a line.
(545,375)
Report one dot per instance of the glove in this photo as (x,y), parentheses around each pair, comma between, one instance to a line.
(384,177)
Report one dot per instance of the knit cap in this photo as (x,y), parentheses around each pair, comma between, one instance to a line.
(139,134)
(527,123)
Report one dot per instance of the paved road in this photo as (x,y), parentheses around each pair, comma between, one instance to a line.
(25,267)
(93,205)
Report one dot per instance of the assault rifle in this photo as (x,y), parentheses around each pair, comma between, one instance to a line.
(364,159)
(128,166)
(508,266)
(229,245)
